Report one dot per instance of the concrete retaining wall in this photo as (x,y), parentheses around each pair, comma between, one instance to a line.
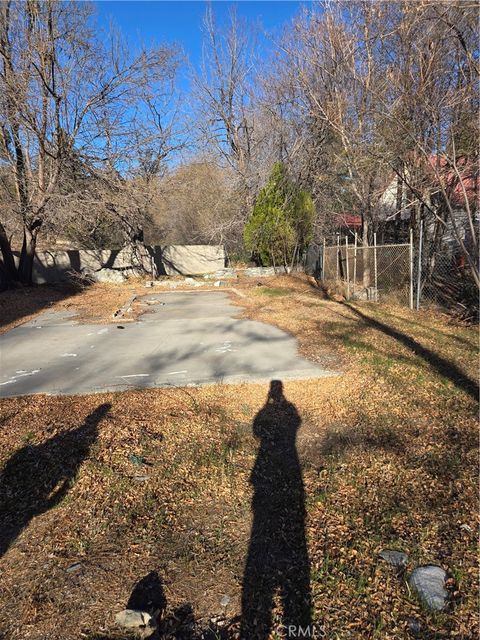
(188,259)
(55,266)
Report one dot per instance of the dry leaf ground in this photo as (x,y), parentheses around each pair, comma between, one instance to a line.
(159,480)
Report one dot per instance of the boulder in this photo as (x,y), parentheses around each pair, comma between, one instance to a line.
(108,275)
(429,582)
(394,558)
(141,622)
(361,294)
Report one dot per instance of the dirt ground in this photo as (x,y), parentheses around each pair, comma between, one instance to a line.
(96,303)
(173,498)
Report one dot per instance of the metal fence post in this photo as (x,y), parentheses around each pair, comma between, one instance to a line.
(419,274)
(323,259)
(338,255)
(347,271)
(375,265)
(355,264)
(411,269)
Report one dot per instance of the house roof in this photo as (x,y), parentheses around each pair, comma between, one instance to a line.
(348,220)
(466,178)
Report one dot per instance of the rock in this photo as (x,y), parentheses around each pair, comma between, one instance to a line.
(140,621)
(217,283)
(126,308)
(414,626)
(395,558)
(229,273)
(359,295)
(429,582)
(171,284)
(225,601)
(109,275)
(76,566)
(254,272)
(221,273)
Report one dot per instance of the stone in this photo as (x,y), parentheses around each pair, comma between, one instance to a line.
(221,273)
(359,295)
(171,284)
(142,622)
(395,558)
(429,582)
(230,274)
(414,626)
(108,275)
(76,566)
(253,272)
(225,601)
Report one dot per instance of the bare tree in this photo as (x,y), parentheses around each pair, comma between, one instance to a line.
(391,90)
(320,54)
(196,203)
(69,100)
(430,120)
(224,92)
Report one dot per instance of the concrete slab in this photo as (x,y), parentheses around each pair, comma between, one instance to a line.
(185,338)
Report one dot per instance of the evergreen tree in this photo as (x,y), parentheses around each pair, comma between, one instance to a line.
(281,222)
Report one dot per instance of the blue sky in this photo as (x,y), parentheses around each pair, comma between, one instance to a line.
(154,22)
(181,21)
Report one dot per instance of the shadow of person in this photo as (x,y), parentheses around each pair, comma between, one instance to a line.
(277,557)
(37,477)
(148,595)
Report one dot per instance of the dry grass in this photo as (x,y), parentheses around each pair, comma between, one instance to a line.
(159,480)
(95,303)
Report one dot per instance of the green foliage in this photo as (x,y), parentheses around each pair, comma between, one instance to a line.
(281,222)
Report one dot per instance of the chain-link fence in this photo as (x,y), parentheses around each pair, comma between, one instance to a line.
(382,272)
(446,282)
(415,276)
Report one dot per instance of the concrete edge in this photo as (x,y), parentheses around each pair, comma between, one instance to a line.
(289,376)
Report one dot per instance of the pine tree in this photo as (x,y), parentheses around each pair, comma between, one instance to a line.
(281,222)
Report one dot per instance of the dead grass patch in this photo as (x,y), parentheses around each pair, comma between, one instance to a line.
(95,303)
(159,480)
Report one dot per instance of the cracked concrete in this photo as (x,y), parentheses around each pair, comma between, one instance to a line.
(183,339)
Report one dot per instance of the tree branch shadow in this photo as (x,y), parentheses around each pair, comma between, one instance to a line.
(37,477)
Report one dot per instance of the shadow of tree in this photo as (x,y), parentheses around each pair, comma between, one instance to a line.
(277,557)
(338,441)
(37,477)
(21,302)
(441,365)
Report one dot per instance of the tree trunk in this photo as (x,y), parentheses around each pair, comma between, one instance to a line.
(9,270)
(27,256)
